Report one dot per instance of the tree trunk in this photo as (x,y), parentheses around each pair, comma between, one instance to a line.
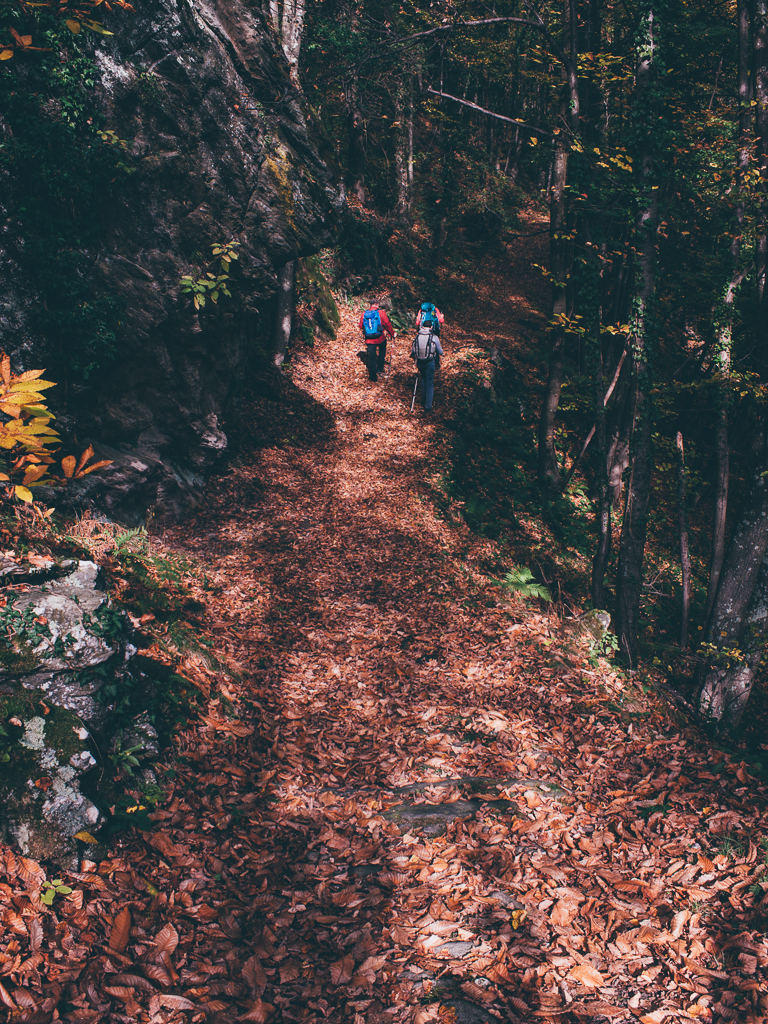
(685,555)
(724,326)
(281,329)
(292,31)
(629,579)
(560,259)
(760,46)
(727,678)
(401,152)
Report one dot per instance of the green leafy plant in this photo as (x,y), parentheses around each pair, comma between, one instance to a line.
(605,647)
(53,889)
(210,285)
(520,580)
(125,759)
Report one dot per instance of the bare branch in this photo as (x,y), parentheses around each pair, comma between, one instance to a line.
(467,24)
(490,113)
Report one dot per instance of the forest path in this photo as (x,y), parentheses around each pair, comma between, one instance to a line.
(573,879)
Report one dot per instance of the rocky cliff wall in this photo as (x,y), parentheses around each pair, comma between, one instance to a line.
(218,146)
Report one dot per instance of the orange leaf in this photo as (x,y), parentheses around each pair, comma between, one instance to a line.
(587,975)
(121,930)
(87,454)
(68,465)
(95,466)
(34,473)
(5,369)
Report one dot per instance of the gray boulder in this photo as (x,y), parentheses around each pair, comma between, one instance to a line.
(55,635)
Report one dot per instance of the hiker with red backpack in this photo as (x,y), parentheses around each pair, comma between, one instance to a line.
(426,350)
(374,322)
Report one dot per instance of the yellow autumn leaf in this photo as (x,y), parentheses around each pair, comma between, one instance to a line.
(518,916)
(23,493)
(73,26)
(30,375)
(4,476)
(6,54)
(85,837)
(39,385)
(23,398)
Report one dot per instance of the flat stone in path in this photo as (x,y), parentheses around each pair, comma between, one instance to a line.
(470,1013)
(456,949)
(434,819)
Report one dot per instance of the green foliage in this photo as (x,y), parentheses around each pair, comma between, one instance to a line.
(520,580)
(210,285)
(606,647)
(124,758)
(61,167)
(51,890)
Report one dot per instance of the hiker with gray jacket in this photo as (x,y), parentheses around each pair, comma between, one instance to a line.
(426,350)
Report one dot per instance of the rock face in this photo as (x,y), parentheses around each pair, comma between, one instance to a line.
(218,147)
(65,634)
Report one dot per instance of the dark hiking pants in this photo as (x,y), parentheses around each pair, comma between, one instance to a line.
(377,353)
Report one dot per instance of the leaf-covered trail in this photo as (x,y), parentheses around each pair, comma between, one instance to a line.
(378,657)
(581,872)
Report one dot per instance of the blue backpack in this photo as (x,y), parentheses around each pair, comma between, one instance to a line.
(428,315)
(371,323)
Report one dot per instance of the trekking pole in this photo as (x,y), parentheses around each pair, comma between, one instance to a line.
(415,386)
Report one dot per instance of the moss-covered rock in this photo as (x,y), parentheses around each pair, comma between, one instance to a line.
(314,293)
(44,752)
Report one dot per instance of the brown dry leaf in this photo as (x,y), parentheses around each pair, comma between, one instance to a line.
(166,940)
(260,1013)
(120,931)
(425,1014)
(120,992)
(5,998)
(254,975)
(131,980)
(564,911)
(342,970)
(156,973)
(587,975)
(173,1002)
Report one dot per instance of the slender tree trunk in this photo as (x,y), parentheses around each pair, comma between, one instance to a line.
(760,47)
(292,31)
(727,679)
(724,326)
(603,511)
(401,152)
(561,260)
(634,525)
(685,555)
(410,132)
(281,329)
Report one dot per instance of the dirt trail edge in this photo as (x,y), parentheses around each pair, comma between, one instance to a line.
(418,802)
